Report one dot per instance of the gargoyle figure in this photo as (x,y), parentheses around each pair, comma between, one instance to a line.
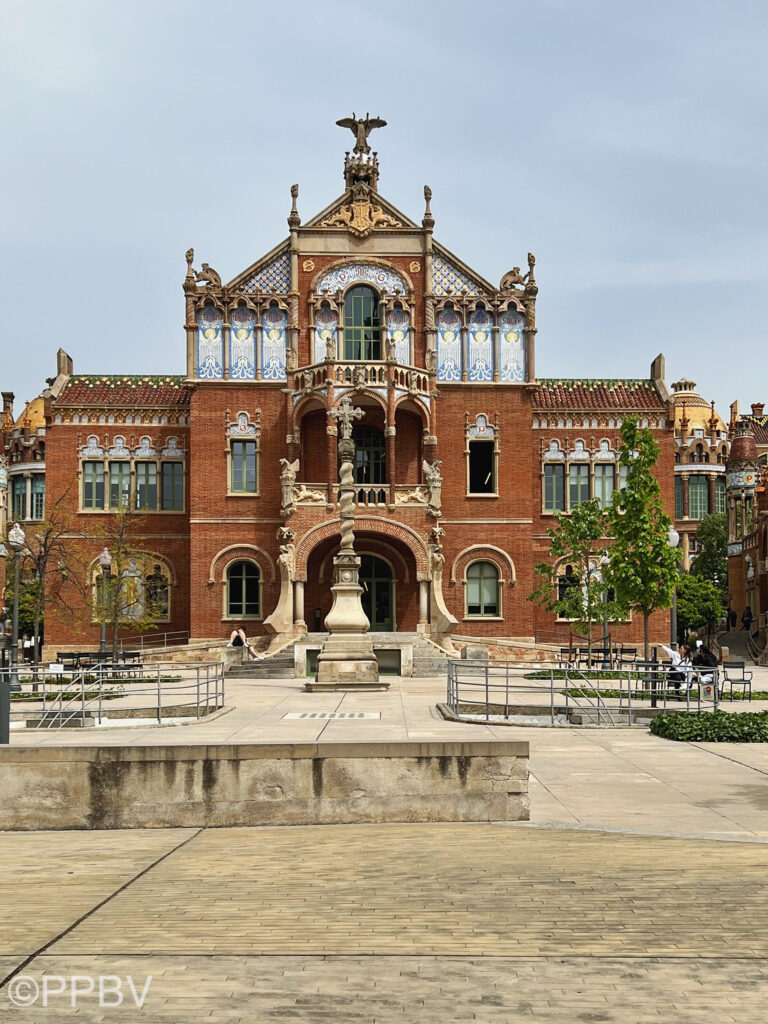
(208,276)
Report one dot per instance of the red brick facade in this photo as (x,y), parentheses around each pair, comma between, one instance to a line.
(422,414)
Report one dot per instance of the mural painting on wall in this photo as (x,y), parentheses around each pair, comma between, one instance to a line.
(480,357)
(398,323)
(326,322)
(449,345)
(210,346)
(242,352)
(511,351)
(275,324)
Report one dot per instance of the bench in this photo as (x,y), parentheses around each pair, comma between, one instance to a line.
(735,674)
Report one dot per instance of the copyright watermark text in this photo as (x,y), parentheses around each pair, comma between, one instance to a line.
(76,989)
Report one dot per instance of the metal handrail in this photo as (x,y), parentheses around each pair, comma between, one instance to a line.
(146,688)
(171,639)
(495,685)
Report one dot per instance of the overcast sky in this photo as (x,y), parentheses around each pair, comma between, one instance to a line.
(624,144)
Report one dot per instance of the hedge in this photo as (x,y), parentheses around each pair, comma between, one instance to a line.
(712,726)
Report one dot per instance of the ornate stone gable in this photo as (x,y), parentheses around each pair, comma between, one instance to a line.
(360,215)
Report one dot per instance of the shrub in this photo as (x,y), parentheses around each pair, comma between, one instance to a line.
(712,726)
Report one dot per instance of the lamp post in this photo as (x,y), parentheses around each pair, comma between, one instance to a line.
(17,542)
(673,539)
(105,561)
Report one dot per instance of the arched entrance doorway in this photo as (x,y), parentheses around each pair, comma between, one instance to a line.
(378,597)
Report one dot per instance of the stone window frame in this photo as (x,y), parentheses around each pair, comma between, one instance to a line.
(553,452)
(560,567)
(243,428)
(133,455)
(485,432)
(168,571)
(483,553)
(25,472)
(225,615)
(499,616)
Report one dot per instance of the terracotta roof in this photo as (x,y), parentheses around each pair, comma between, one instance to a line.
(140,391)
(759,426)
(597,394)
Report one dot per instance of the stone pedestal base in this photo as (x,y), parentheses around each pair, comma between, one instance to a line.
(347,662)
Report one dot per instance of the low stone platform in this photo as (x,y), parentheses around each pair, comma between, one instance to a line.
(68,787)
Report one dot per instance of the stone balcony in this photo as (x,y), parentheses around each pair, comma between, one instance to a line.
(361,374)
(373,498)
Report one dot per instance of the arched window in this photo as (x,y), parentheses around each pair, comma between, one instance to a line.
(370,456)
(483,590)
(243,591)
(157,591)
(362,324)
(566,582)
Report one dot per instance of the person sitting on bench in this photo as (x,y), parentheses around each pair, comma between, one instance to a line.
(681,674)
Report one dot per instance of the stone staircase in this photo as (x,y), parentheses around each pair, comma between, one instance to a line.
(428,660)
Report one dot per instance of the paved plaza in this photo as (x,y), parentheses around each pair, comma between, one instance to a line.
(637,893)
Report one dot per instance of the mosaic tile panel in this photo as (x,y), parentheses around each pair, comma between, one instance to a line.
(398,330)
(511,346)
(363,273)
(480,346)
(326,324)
(274,278)
(449,346)
(242,345)
(449,280)
(210,344)
(273,342)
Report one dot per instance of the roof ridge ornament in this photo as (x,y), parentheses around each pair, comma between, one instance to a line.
(361,166)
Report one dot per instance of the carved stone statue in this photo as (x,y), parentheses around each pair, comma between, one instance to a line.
(208,276)
(430,360)
(361,128)
(330,348)
(391,350)
(287,480)
(512,279)
(358,378)
(434,481)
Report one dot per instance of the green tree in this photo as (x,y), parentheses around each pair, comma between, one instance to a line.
(699,603)
(643,568)
(712,561)
(124,598)
(577,539)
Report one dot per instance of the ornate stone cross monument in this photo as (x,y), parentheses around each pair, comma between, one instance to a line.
(347,661)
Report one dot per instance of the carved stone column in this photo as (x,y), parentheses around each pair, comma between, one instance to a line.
(347,661)
(298,604)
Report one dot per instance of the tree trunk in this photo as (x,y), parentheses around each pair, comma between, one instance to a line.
(646,641)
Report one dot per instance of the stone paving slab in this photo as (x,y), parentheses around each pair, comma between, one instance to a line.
(429,889)
(416,990)
(392,923)
(50,879)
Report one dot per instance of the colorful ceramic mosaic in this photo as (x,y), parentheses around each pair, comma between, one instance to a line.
(480,345)
(242,351)
(273,339)
(326,323)
(360,273)
(449,346)
(398,326)
(274,278)
(210,344)
(511,348)
(449,280)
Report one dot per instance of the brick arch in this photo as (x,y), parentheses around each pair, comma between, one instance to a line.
(371,524)
(234,552)
(392,555)
(483,552)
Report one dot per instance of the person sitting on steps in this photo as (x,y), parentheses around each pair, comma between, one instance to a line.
(237,638)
